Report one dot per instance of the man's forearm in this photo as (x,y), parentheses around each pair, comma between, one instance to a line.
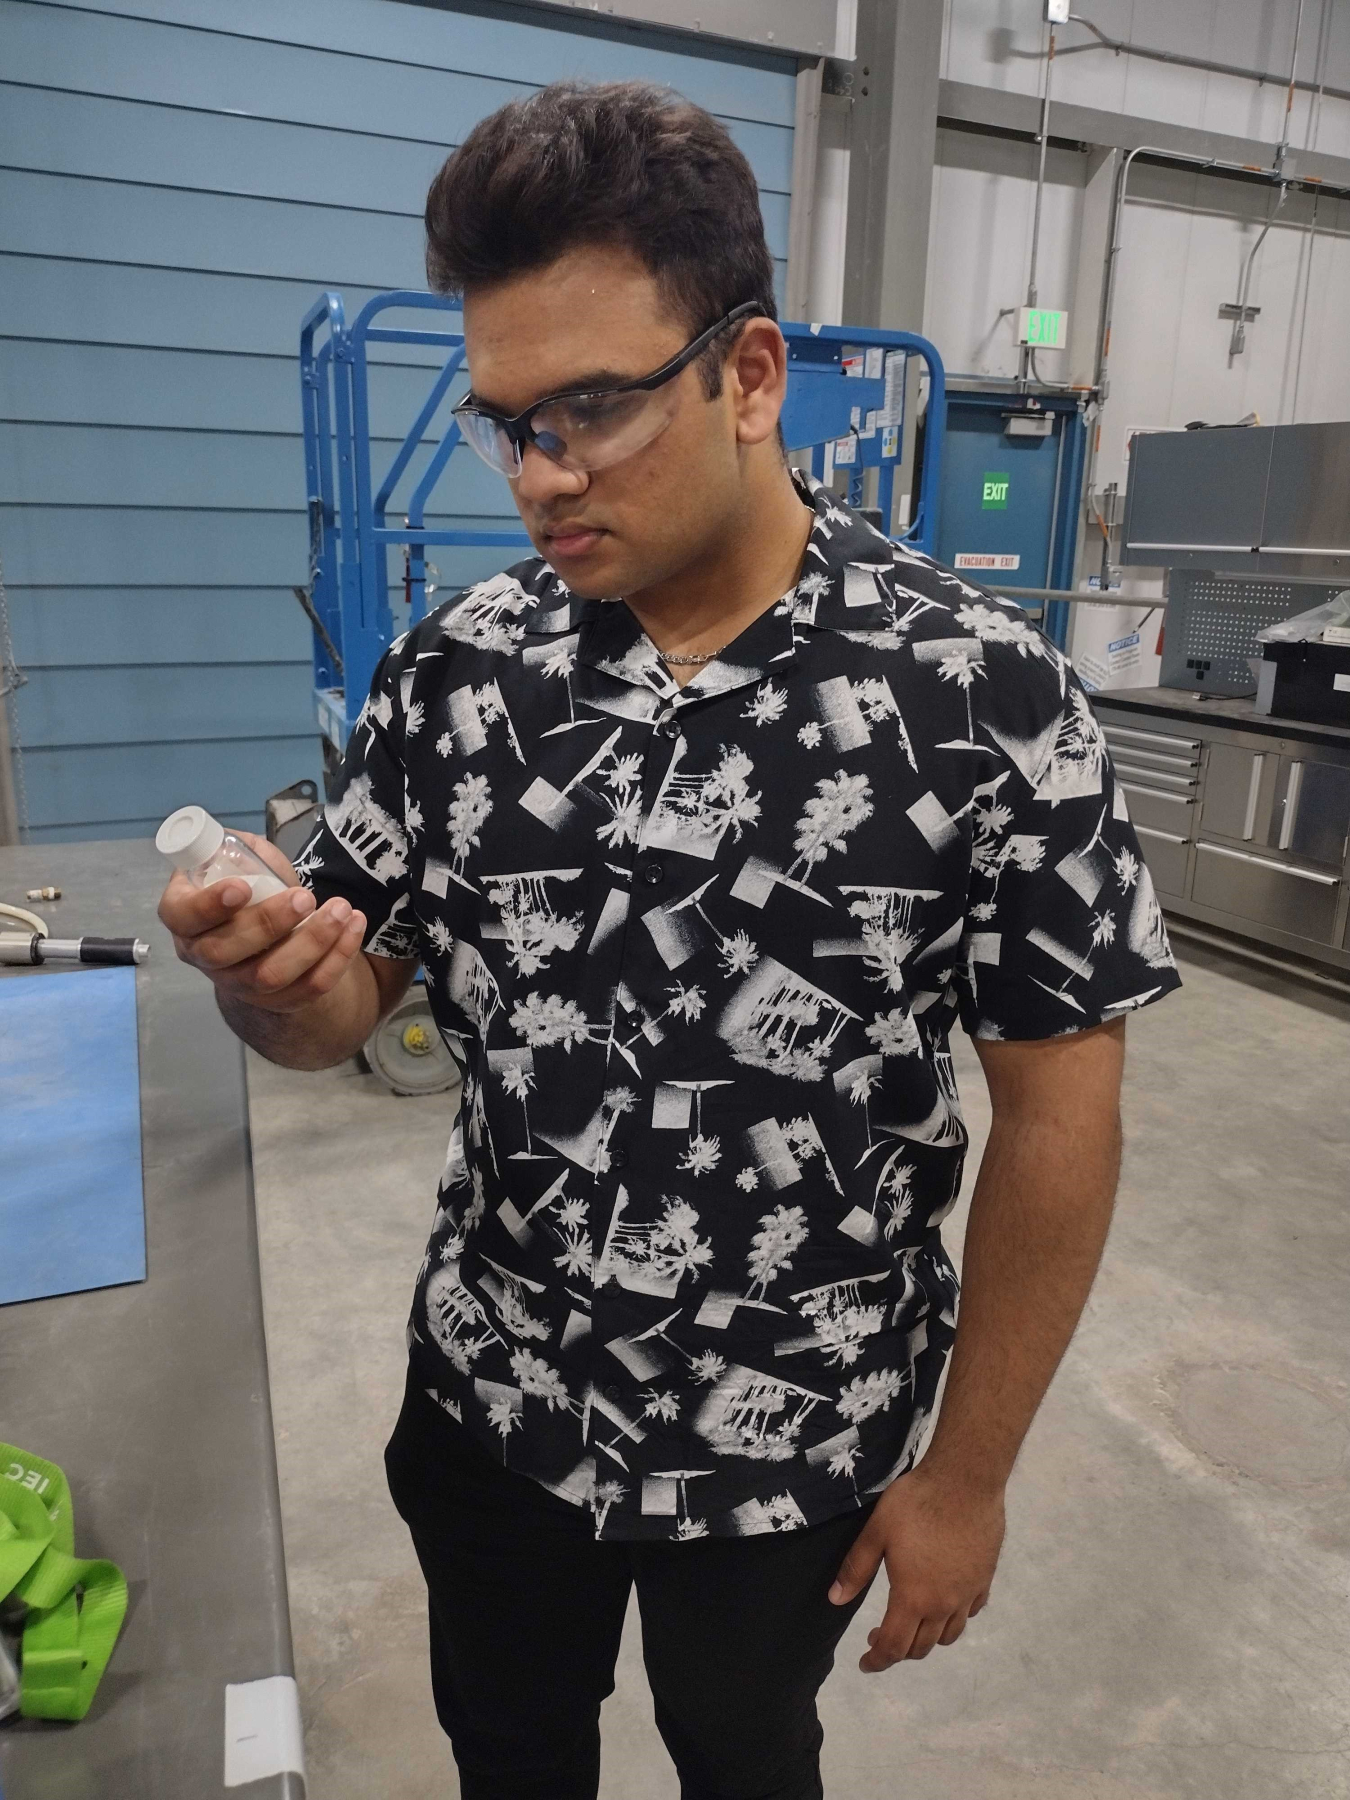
(1038,1222)
(317,1036)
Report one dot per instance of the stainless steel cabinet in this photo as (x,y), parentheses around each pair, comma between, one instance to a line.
(1239,828)
(1168,857)
(1301,902)
(1160,774)
(1239,784)
(1312,811)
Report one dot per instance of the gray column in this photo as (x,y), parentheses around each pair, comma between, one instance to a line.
(9,808)
(802,206)
(896,70)
(1089,291)
(1085,323)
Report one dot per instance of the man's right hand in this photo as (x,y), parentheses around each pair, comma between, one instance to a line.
(279,955)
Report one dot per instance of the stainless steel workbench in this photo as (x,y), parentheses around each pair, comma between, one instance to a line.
(1244,819)
(154,1397)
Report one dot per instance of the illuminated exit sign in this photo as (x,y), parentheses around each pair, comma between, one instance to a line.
(1042,329)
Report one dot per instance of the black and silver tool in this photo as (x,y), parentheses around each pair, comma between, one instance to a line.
(35,948)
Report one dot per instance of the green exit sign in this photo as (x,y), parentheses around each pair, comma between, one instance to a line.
(995,495)
(1041,329)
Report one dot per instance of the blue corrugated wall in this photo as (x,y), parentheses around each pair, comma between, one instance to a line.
(178,179)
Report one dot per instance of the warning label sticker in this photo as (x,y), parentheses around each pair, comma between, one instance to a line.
(985,559)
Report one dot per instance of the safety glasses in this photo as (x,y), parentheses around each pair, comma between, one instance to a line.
(586,431)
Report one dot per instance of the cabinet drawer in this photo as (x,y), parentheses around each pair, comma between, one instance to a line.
(1164,812)
(1151,740)
(1155,778)
(1165,853)
(1301,901)
(1177,761)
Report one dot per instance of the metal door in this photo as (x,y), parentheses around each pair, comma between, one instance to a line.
(1311,816)
(998,498)
(1239,787)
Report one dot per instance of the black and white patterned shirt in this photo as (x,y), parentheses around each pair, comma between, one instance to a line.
(698,951)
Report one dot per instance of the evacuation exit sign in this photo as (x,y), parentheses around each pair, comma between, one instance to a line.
(994,497)
(1041,329)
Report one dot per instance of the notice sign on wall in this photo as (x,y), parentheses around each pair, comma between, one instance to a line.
(985,559)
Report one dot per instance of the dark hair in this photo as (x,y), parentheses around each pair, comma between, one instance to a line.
(619,163)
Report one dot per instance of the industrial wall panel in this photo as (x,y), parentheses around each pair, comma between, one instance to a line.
(79,466)
(178,181)
(112,140)
(293,51)
(978,232)
(89,626)
(102,830)
(1254,34)
(124,790)
(65,215)
(164,703)
(72,300)
(177,548)
(183,390)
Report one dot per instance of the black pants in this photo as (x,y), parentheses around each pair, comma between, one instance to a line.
(527,1610)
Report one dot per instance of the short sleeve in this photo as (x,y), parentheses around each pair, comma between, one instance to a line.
(1063,929)
(359,849)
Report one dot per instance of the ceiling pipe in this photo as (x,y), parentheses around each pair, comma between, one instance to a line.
(1263,77)
(1237,343)
(1024,363)
(1289,97)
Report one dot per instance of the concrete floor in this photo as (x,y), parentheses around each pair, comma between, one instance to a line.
(1170,1620)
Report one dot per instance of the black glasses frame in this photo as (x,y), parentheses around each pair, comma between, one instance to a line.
(520,430)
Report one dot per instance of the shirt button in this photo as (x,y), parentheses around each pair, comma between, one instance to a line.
(670,730)
(610,1391)
(653,873)
(618,1159)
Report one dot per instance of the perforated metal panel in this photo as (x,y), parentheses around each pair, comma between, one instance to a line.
(1212,622)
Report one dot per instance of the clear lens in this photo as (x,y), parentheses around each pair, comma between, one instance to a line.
(583,433)
(594,431)
(485,436)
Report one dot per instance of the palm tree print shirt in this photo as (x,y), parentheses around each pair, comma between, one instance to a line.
(698,952)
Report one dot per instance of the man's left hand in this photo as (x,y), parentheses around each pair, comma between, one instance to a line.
(940,1543)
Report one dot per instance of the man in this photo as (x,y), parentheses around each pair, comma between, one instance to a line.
(701,878)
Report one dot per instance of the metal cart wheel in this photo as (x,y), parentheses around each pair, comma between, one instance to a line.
(407,1052)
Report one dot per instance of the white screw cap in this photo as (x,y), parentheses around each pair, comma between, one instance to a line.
(189,836)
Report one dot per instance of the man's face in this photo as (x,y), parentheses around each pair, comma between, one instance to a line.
(594,319)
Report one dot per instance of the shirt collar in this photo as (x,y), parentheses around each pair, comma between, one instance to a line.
(848,579)
(839,588)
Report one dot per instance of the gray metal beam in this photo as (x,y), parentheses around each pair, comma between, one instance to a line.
(964,105)
(806,27)
(890,185)
(9,806)
(802,205)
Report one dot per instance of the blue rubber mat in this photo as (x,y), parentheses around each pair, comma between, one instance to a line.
(72,1207)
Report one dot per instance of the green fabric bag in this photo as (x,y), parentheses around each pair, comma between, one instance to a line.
(75,1608)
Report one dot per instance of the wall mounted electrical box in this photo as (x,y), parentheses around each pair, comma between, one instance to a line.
(1249,499)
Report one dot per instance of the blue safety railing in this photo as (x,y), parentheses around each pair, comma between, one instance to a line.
(846,398)
(847,390)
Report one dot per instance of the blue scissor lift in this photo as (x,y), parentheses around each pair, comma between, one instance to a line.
(847,390)
(846,399)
